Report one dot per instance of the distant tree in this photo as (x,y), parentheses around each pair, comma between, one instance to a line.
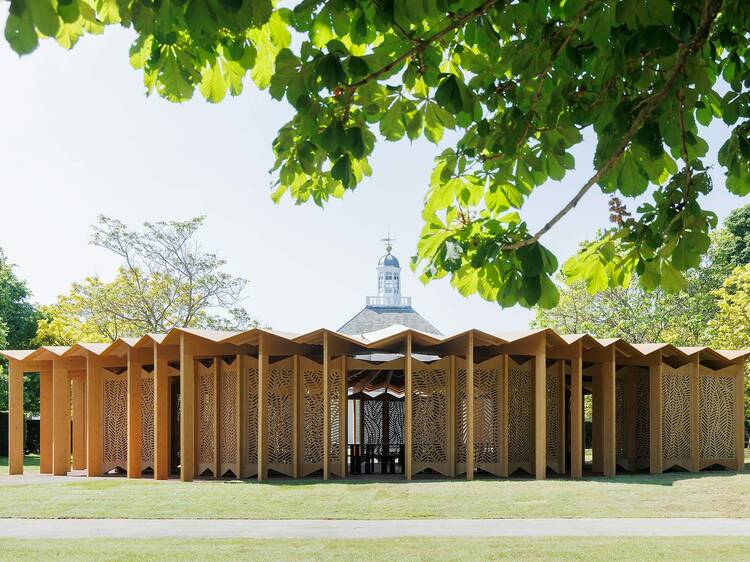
(166,280)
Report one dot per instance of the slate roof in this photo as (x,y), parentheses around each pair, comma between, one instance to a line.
(374,318)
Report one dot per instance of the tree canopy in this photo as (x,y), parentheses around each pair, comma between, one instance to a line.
(166,280)
(518,80)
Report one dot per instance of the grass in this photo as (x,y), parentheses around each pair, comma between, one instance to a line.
(693,548)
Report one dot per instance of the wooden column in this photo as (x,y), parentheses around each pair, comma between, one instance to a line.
(94,416)
(739,413)
(61,416)
(216,373)
(540,409)
(187,409)
(241,414)
(79,422)
(470,407)
(656,459)
(134,415)
(161,414)
(15,417)
(326,408)
(262,409)
(45,421)
(452,417)
(576,412)
(503,415)
(408,433)
(343,416)
(609,421)
(695,452)
(296,417)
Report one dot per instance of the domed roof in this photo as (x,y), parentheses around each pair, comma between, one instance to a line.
(389,259)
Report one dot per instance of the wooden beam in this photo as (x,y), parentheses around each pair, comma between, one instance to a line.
(695,452)
(15,417)
(79,423)
(452,417)
(656,459)
(161,413)
(94,416)
(45,421)
(262,409)
(503,415)
(326,408)
(739,416)
(609,423)
(576,412)
(134,415)
(470,407)
(408,437)
(187,409)
(296,416)
(343,415)
(540,409)
(61,416)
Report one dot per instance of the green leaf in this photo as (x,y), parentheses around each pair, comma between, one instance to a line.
(342,171)
(672,281)
(20,33)
(550,295)
(45,17)
(213,86)
(331,71)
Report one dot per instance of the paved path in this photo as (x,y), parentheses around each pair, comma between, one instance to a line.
(256,529)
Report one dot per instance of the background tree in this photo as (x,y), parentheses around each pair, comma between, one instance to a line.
(520,80)
(166,280)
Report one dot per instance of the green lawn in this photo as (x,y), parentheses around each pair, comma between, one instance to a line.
(694,548)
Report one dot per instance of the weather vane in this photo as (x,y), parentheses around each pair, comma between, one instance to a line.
(388,242)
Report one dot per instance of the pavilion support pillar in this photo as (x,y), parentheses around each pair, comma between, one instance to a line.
(296,417)
(576,411)
(408,434)
(263,409)
(452,417)
(79,422)
(15,417)
(45,421)
(540,409)
(656,459)
(94,416)
(609,423)
(695,452)
(739,413)
(216,373)
(343,417)
(161,414)
(503,415)
(61,415)
(470,407)
(134,415)
(187,408)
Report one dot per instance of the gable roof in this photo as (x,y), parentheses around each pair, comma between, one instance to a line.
(373,319)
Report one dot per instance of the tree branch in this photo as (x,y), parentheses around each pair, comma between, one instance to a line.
(710,12)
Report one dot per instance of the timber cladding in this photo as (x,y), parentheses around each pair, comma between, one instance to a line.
(259,403)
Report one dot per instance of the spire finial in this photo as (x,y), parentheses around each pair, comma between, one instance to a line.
(388,242)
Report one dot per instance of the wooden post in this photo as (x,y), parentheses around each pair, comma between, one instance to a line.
(15,417)
(739,413)
(503,397)
(79,422)
(135,373)
(695,452)
(343,416)
(656,459)
(576,412)
(61,415)
(408,437)
(470,407)
(241,414)
(609,423)
(326,408)
(452,417)
(295,416)
(187,409)
(262,409)
(94,416)
(45,422)
(216,373)
(540,409)
(161,414)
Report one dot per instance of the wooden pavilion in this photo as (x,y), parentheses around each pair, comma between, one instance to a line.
(261,402)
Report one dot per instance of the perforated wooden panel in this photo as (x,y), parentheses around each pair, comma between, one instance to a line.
(430,416)
(676,410)
(462,416)
(717,417)
(620,430)
(336,402)
(312,415)
(206,413)
(553,412)
(228,418)
(115,419)
(642,421)
(520,415)
(280,417)
(147,420)
(250,431)
(487,415)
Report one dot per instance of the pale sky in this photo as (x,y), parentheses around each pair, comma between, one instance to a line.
(79,138)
